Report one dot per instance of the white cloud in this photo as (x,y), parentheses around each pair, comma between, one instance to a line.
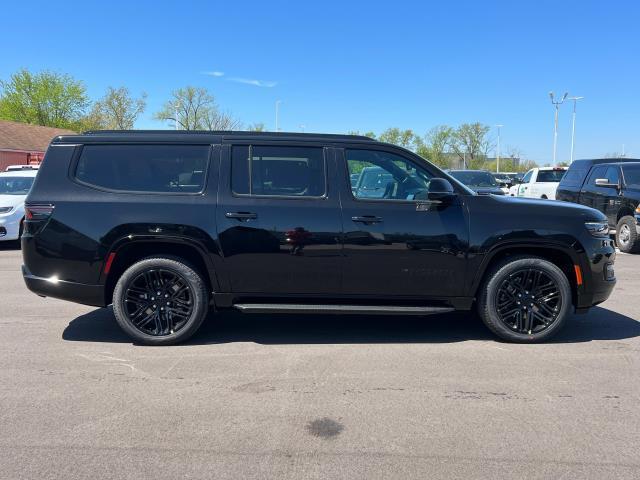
(214,74)
(256,83)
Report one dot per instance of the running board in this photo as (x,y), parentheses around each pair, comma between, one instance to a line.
(339,309)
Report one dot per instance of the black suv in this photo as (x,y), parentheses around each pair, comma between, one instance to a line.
(168,225)
(611,186)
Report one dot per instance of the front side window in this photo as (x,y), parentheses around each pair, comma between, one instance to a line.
(527,177)
(144,168)
(598,172)
(278,171)
(15,185)
(612,175)
(385,176)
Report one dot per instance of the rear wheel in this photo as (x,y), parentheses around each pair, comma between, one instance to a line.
(627,235)
(160,301)
(525,299)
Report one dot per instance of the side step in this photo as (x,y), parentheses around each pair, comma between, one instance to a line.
(339,309)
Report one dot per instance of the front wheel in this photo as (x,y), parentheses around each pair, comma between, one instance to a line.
(627,235)
(525,299)
(160,301)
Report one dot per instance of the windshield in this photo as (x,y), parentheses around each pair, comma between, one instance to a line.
(550,175)
(631,174)
(15,185)
(475,179)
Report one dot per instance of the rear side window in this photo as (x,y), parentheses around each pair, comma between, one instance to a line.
(545,176)
(278,171)
(144,168)
(574,176)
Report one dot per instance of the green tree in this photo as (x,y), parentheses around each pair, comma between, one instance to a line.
(44,98)
(194,108)
(257,127)
(436,145)
(471,143)
(403,138)
(118,110)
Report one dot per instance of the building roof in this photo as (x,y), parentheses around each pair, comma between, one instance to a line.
(23,136)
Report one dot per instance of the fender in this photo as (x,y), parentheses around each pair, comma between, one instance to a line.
(199,246)
(573,251)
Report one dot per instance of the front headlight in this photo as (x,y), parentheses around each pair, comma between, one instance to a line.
(5,209)
(598,229)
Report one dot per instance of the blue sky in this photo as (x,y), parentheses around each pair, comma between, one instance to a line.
(340,66)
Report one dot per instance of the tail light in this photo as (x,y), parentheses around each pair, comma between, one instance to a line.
(38,212)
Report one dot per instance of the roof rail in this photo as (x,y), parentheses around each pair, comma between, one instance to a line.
(228,133)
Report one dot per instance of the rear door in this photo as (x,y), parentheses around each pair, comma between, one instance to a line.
(395,242)
(278,218)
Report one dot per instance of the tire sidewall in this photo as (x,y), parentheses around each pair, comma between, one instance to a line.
(632,245)
(488,301)
(200,300)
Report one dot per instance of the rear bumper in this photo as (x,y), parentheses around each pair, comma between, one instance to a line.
(75,292)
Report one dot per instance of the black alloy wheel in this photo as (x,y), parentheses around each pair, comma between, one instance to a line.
(160,301)
(528,301)
(525,299)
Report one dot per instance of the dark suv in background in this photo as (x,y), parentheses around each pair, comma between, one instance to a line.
(611,186)
(166,225)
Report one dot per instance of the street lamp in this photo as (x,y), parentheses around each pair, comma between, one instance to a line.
(556,104)
(277,112)
(499,126)
(573,124)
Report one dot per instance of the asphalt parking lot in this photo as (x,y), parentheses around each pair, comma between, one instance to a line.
(316,397)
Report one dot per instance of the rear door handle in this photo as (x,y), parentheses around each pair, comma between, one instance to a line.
(241,215)
(367,219)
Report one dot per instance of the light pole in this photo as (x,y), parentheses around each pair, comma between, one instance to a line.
(556,104)
(499,126)
(176,122)
(573,124)
(277,112)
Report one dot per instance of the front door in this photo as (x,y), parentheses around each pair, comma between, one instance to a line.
(397,243)
(278,218)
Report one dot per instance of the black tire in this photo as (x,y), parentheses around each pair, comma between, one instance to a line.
(166,322)
(627,235)
(510,273)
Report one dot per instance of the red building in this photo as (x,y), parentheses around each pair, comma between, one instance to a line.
(24,144)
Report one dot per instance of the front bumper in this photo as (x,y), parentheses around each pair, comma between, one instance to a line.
(598,272)
(10,226)
(75,292)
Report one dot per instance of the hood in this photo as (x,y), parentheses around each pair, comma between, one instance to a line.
(553,207)
(11,200)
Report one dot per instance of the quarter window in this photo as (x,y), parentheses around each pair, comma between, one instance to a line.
(278,171)
(144,168)
(382,175)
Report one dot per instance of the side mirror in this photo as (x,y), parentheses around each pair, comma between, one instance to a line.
(440,189)
(604,182)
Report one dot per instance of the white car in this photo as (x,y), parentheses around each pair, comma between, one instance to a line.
(14,187)
(539,183)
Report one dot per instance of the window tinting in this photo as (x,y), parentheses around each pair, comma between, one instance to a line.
(278,171)
(598,172)
(574,176)
(631,174)
(612,175)
(144,168)
(385,176)
(545,176)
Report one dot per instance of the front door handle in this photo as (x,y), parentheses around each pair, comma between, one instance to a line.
(368,219)
(242,216)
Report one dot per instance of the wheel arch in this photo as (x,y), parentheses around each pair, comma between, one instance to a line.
(564,258)
(624,211)
(131,250)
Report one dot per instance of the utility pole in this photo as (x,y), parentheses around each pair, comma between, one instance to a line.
(498,153)
(573,124)
(277,112)
(556,104)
